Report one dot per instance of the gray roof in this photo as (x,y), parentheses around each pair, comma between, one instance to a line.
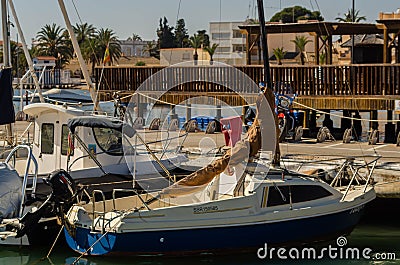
(365,40)
(288,55)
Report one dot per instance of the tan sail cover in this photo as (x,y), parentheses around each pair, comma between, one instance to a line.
(244,149)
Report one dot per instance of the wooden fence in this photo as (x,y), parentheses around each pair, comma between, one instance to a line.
(326,80)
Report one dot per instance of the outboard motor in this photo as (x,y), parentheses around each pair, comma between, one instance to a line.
(62,195)
(62,185)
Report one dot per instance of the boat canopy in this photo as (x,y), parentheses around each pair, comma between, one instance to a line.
(101,122)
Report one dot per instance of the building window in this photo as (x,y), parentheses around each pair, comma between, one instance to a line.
(223,50)
(64,140)
(238,48)
(186,56)
(47,137)
(238,34)
(221,36)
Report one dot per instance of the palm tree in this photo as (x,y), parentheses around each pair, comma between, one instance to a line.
(279,54)
(301,42)
(135,37)
(151,48)
(91,54)
(348,17)
(96,47)
(195,42)
(107,37)
(211,50)
(322,58)
(84,32)
(85,35)
(54,42)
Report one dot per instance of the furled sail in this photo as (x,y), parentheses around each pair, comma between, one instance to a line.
(247,147)
(6,96)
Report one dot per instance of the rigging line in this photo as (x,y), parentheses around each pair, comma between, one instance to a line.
(179,9)
(76,10)
(176,22)
(249,10)
(220,21)
(341,116)
(188,107)
(90,45)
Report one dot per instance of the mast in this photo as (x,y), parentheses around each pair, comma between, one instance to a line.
(264,44)
(6,34)
(92,89)
(7,64)
(267,78)
(26,52)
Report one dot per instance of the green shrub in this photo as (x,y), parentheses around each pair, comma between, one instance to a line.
(140,63)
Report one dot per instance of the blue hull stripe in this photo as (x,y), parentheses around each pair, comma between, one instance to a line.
(215,239)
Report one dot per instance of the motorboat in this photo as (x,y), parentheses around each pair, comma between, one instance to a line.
(92,150)
(50,144)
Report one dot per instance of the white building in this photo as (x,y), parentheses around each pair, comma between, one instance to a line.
(134,48)
(232,44)
(44,61)
(178,55)
(231,41)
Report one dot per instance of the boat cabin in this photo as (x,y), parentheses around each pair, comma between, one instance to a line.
(50,143)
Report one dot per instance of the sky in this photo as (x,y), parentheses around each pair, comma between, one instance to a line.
(141,17)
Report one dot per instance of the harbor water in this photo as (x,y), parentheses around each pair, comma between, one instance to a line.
(379,230)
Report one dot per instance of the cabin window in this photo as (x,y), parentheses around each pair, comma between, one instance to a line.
(47,138)
(64,140)
(280,195)
(303,193)
(109,140)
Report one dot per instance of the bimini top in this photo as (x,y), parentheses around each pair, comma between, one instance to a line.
(101,122)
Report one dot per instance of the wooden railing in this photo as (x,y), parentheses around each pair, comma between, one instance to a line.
(326,80)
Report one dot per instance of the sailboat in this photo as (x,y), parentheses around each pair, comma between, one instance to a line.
(239,202)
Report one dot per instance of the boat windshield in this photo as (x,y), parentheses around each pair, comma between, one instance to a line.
(109,140)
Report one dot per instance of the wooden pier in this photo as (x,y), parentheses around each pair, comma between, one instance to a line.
(335,87)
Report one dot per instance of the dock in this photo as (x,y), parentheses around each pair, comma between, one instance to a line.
(353,89)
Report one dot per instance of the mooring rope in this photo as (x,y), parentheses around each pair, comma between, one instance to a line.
(341,116)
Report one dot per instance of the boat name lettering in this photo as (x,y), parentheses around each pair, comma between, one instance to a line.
(205,209)
(357,209)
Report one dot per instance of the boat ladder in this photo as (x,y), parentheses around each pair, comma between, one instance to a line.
(29,181)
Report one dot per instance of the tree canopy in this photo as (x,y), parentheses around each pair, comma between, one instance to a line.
(348,17)
(181,34)
(295,13)
(205,39)
(166,36)
(54,41)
